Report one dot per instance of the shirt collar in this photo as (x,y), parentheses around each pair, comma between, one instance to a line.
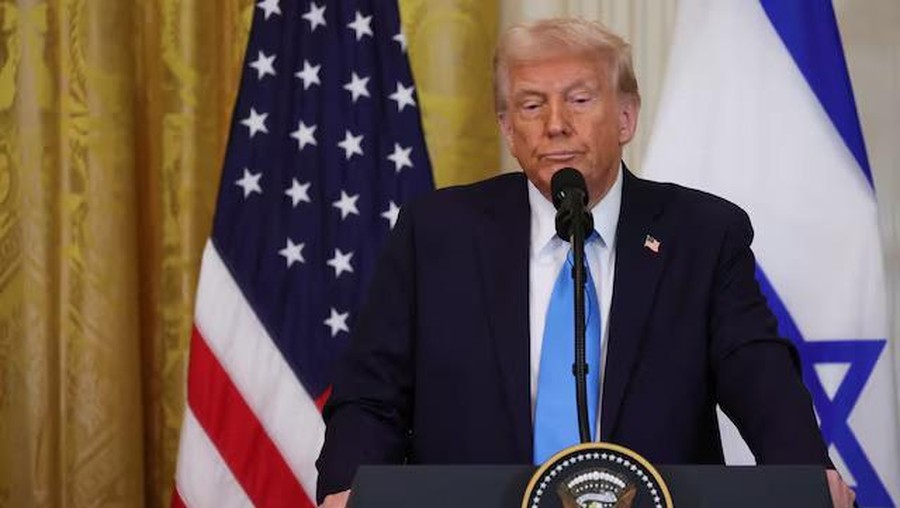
(543,217)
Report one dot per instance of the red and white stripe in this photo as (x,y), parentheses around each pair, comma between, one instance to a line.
(251,432)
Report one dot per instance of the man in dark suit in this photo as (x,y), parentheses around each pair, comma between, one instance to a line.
(445,365)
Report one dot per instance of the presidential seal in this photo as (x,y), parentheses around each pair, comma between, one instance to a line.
(597,475)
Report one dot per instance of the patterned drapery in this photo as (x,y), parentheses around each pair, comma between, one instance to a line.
(114,117)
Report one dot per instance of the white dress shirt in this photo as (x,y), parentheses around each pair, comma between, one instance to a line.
(546,257)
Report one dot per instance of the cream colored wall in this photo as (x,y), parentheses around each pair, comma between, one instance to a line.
(871,34)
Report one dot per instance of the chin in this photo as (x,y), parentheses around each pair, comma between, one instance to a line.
(551,170)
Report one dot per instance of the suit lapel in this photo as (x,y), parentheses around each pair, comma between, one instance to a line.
(638,269)
(502,243)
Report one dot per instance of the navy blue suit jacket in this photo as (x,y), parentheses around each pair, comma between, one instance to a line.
(438,367)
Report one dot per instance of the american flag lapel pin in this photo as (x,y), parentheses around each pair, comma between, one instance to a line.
(652,244)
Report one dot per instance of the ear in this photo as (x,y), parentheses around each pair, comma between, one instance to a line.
(629,107)
(506,129)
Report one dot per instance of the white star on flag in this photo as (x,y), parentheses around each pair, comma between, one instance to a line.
(269,7)
(362,25)
(341,263)
(298,192)
(351,145)
(400,157)
(337,321)
(250,183)
(263,65)
(292,252)
(392,213)
(305,135)
(401,40)
(347,205)
(315,16)
(256,122)
(309,75)
(357,86)
(403,96)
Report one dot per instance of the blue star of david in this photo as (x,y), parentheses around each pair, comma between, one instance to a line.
(834,413)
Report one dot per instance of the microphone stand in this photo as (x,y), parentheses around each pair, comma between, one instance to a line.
(580,367)
(570,197)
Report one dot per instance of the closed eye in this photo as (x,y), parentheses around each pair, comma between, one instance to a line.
(531,108)
(581,99)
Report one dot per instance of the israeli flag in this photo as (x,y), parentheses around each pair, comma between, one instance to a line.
(758,108)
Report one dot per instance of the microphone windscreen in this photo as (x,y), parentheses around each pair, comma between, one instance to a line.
(564,182)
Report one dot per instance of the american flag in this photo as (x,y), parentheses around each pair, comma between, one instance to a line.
(325,145)
(651,243)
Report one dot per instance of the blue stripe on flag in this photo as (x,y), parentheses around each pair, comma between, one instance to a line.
(809,30)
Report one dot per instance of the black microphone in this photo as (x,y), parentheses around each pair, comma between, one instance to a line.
(570,197)
(573,221)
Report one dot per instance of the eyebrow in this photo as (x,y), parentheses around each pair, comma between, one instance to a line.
(527,91)
(590,85)
(524,94)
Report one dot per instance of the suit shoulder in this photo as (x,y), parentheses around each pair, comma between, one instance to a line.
(474,198)
(695,204)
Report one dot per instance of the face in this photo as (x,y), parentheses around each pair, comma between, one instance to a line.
(565,112)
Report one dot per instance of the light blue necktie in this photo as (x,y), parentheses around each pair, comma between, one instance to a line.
(556,414)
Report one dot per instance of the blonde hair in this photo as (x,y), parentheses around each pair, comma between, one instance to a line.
(525,42)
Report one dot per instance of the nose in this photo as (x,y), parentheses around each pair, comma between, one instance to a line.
(559,122)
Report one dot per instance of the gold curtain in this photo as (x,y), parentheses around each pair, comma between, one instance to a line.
(451,43)
(114,118)
(113,121)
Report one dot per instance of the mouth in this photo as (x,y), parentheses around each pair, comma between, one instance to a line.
(559,156)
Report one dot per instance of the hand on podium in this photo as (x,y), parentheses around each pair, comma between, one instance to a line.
(841,495)
(339,500)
